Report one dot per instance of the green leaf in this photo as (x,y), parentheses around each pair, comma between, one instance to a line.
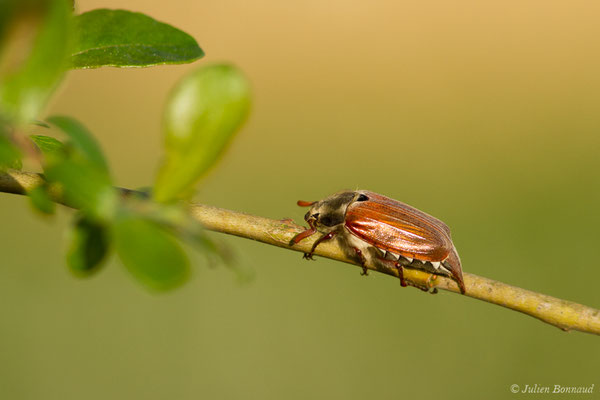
(84,187)
(89,245)
(175,218)
(203,113)
(82,140)
(152,255)
(34,51)
(79,167)
(49,146)
(121,38)
(10,155)
(40,200)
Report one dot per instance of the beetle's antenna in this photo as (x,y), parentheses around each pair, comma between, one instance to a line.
(303,203)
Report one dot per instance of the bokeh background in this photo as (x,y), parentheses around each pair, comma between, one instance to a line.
(484,114)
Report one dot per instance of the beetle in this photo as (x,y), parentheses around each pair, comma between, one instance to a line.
(384,231)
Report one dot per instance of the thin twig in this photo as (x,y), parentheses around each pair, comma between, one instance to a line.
(563,314)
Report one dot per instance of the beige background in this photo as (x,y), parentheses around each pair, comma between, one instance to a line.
(484,114)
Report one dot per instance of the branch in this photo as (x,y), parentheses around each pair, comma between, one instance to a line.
(563,314)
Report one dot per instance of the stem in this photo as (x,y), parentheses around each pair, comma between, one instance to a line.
(563,314)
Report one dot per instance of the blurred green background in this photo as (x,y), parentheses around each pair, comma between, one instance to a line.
(484,114)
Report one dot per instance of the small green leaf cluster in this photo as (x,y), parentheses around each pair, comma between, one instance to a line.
(40,40)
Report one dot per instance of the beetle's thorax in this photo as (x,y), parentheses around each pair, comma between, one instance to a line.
(327,214)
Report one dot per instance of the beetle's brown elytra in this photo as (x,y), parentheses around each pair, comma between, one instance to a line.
(382,230)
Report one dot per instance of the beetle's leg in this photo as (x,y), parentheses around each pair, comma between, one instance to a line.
(430,280)
(327,236)
(400,270)
(302,235)
(363,262)
(429,283)
(320,240)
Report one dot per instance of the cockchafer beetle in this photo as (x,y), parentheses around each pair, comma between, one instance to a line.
(381,230)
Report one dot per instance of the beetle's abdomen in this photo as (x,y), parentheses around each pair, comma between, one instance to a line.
(399,228)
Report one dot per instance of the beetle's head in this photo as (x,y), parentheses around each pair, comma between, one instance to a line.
(326,215)
(330,212)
